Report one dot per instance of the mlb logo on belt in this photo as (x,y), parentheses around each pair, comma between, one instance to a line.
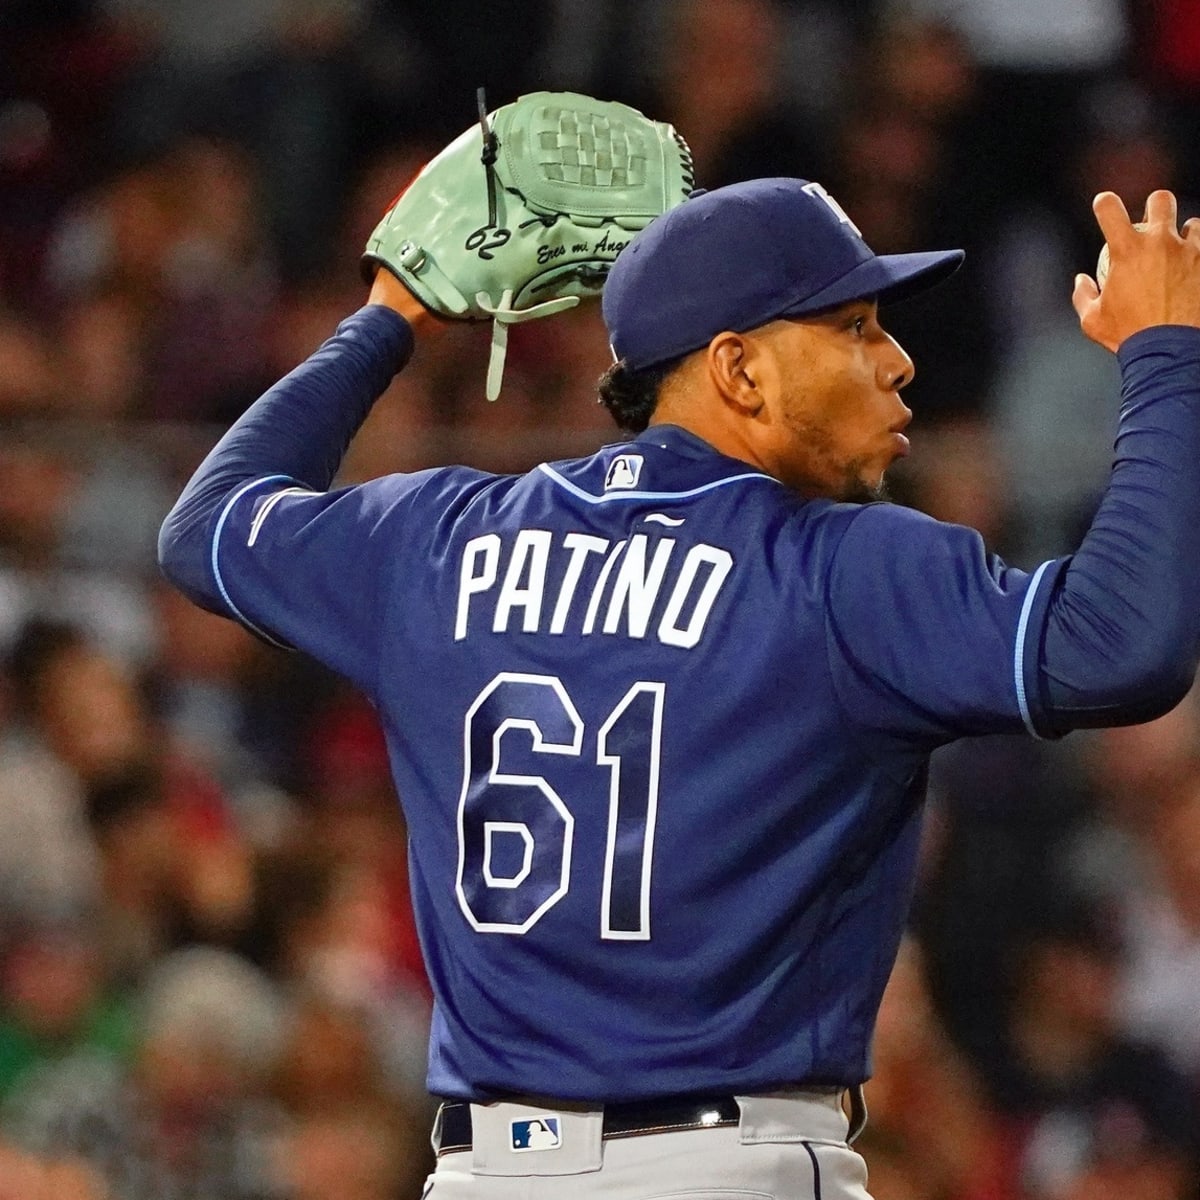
(623,472)
(535,1133)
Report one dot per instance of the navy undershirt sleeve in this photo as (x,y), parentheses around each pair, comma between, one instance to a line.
(1121,635)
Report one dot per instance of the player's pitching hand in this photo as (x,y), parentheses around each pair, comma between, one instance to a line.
(1153,276)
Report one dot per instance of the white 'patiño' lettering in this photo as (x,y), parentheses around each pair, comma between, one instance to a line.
(589,621)
(474,578)
(720,563)
(524,581)
(506,584)
(580,545)
(635,589)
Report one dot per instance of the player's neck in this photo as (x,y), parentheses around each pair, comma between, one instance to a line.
(716,432)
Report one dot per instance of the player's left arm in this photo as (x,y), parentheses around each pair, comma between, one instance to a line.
(930,636)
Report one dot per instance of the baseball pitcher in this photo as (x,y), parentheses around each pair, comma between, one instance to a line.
(659,718)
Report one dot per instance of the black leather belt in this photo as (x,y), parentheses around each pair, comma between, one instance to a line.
(630,1118)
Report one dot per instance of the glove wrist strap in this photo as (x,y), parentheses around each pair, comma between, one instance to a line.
(504,315)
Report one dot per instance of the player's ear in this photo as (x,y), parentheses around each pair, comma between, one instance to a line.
(734,368)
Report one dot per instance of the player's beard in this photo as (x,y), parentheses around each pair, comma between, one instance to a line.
(822,475)
(858,492)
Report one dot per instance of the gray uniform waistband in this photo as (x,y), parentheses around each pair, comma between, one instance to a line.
(804,1112)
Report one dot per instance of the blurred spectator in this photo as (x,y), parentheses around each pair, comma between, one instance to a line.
(959,478)
(741,128)
(330,929)
(231,707)
(1056,416)
(1078,1092)
(66,509)
(1162,980)
(103,347)
(456,46)
(365,943)
(178,238)
(1004,811)
(190,1118)
(334,1079)
(137,844)
(28,1177)
(1125,1160)
(48,863)
(1169,33)
(931,1132)
(364,1153)
(1054,425)
(1139,856)
(278,77)
(1120,144)
(59,68)
(27,384)
(79,703)
(77,528)
(1034,60)
(172,864)
(55,1002)
(897,145)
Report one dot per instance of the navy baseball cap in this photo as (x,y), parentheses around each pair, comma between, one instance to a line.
(742,255)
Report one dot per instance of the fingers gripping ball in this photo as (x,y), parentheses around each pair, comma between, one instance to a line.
(523,214)
(1102,261)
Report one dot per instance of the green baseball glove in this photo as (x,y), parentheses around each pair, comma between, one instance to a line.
(523,214)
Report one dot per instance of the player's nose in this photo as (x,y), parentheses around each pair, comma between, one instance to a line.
(894,368)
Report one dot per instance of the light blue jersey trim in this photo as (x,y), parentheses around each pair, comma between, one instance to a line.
(1019,654)
(580,494)
(216,566)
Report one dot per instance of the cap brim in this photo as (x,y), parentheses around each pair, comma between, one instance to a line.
(886,277)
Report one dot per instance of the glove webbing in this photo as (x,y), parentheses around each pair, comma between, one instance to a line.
(503,314)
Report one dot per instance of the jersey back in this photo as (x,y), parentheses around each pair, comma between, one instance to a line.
(651,725)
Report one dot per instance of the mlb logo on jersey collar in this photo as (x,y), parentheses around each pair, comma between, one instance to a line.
(543,1132)
(623,472)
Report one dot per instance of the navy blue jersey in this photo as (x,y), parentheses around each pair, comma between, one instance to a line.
(660,726)
(647,717)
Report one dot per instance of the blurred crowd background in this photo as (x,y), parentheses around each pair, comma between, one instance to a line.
(209,981)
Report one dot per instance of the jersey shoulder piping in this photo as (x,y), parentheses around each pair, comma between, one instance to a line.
(1019,650)
(215,561)
(607,497)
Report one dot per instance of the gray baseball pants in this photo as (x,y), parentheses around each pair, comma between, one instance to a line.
(785,1146)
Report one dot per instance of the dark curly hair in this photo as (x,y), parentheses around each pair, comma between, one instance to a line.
(631,396)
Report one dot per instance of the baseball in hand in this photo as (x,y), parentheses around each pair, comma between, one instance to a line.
(1102,261)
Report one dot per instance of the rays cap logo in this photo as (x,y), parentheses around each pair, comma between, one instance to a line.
(542,1132)
(623,472)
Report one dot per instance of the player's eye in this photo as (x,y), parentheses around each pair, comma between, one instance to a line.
(858,326)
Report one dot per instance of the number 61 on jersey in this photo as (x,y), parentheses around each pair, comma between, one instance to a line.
(516,833)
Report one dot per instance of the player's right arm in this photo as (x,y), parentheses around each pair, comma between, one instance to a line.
(257,535)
